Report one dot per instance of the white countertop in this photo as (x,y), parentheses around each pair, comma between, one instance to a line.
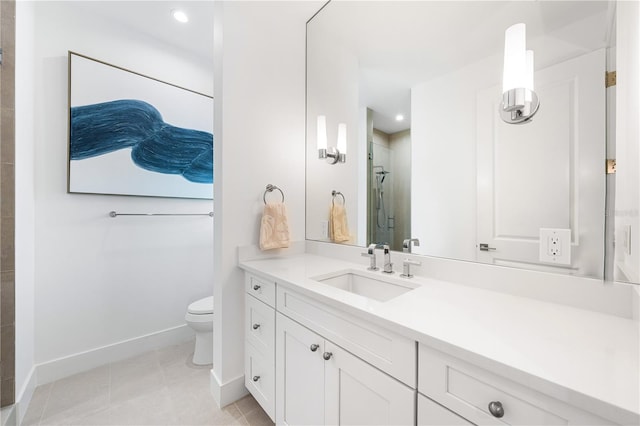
(587,359)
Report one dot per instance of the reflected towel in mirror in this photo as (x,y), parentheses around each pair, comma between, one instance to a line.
(338,228)
(274,227)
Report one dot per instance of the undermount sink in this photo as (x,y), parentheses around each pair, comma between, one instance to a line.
(370,285)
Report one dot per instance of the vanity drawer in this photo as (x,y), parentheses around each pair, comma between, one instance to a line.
(434,414)
(261,288)
(260,320)
(468,391)
(389,352)
(259,378)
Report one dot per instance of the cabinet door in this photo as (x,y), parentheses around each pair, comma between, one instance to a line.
(300,378)
(357,393)
(432,414)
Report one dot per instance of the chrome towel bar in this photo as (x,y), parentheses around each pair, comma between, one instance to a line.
(113,213)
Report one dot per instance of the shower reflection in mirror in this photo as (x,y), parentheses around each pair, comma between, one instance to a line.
(389,184)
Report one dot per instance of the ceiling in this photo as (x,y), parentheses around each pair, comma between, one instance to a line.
(152,18)
(398,44)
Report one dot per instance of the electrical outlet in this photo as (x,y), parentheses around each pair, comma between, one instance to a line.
(324,229)
(555,246)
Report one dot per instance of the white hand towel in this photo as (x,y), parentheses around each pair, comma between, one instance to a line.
(274,227)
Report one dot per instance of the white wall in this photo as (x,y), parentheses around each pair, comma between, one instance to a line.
(98,281)
(259,125)
(25,204)
(627,215)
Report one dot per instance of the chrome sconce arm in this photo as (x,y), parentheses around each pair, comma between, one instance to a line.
(519,106)
(332,155)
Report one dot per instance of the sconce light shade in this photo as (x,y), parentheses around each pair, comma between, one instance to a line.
(519,101)
(528,72)
(342,142)
(514,70)
(322,136)
(335,154)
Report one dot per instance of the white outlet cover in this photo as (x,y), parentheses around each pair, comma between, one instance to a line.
(324,229)
(555,246)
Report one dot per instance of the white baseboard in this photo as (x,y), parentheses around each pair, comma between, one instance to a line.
(8,416)
(23,397)
(227,393)
(77,363)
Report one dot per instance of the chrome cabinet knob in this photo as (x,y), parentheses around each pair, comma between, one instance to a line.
(256,326)
(496,409)
(256,378)
(256,287)
(314,347)
(327,356)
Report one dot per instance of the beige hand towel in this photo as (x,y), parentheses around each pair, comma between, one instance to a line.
(274,228)
(338,228)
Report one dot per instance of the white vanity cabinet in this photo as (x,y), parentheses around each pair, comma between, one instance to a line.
(318,383)
(383,367)
(484,398)
(260,324)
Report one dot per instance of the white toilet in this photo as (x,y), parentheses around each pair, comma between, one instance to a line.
(200,318)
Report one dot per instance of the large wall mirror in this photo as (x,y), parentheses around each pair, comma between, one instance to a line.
(416,88)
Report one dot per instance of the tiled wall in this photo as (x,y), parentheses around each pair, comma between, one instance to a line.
(7,203)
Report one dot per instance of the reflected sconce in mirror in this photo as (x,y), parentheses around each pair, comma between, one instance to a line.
(519,102)
(336,154)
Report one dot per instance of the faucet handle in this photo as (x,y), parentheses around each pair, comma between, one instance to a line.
(406,265)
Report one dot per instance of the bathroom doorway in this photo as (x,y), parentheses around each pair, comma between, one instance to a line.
(389,184)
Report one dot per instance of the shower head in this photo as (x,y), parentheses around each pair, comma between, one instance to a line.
(384,174)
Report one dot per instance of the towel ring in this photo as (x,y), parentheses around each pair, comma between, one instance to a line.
(335,193)
(271,188)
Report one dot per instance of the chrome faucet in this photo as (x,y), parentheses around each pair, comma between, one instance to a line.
(371,254)
(406,244)
(388,266)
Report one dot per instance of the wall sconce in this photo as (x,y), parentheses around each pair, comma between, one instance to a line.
(519,102)
(331,154)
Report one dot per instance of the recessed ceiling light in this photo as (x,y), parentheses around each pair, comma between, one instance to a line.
(399,117)
(179,15)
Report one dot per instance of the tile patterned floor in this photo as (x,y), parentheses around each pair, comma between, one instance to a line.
(161,387)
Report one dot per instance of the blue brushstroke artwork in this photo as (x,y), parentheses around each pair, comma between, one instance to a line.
(157,146)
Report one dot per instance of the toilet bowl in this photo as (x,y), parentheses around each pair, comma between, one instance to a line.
(200,318)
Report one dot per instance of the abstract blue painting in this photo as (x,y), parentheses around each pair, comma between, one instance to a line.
(133,135)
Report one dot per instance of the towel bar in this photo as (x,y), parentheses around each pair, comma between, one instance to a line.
(115,214)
